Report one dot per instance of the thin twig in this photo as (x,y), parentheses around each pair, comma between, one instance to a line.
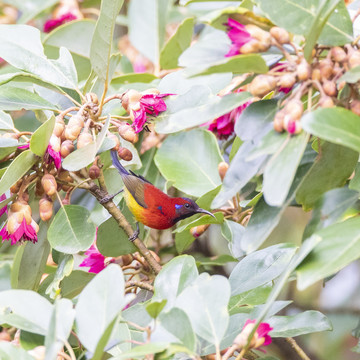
(70,350)
(139,284)
(297,348)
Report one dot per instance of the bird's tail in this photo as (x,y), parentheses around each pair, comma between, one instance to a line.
(117,164)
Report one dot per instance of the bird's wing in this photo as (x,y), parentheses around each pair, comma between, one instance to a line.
(140,177)
(136,187)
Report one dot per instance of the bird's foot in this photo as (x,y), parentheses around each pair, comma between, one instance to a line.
(106,199)
(135,234)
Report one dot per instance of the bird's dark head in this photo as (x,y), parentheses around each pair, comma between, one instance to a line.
(185,208)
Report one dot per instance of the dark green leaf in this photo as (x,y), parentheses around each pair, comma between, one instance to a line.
(73,284)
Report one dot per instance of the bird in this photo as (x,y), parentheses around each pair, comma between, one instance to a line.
(150,205)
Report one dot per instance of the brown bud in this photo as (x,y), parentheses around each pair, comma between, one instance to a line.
(130,97)
(287,80)
(262,85)
(49,184)
(115,139)
(280,35)
(338,54)
(94,171)
(59,127)
(294,109)
(128,133)
(263,36)
(124,154)
(329,88)
(67,147)
(252,46)
(197,231)
(326,68)
(279,121)
(316,75)
(326,102)
(92,98)
(354,59)
(85,138)
(303,70)
(73,128)
(127,259)
(45,208)
(222,168)
(355,107)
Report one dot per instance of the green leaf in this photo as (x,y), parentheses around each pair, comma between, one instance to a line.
(9,351)
(147,21)
(138,352)
(30,9)
(30,261)
(202,220)
(73,284)
(337,125)
(232,232)
(20,46)
(178,42)
(6,122)
(354,183)
(196,107)
(12,98)
(133,78)
(102,40)
(72,220)
(103,298)
(260,267)
(40,139)
(173,278)
(205,302)
(154,308)
(189,160)
(331,169)
(299,324)
(337,30)
(218,260)
(17,169)
(339,246)
(281,169)
(351,76)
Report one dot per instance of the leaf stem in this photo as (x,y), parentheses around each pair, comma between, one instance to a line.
(70,350)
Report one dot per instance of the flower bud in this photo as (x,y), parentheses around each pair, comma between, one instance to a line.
(222,169)
(326,68)
(92,98)
(280,35)
(326,102)
(131,96)
(49,184)
(45,208)
(316,75)
(151,91)
(14,189)
(59,127)
(126,259)
(329,88)
(85,138)
(287,80)
(303,70)
(263,36)
(338,54)
(355,107)
(354,59)
(94,171)
(294,109)
(55,143)
(128,133)
(115,139)
(262,85)
(67,147)
(279,121)
(252,46)
(73,128)
(197,231)
(293,127)
(125,154)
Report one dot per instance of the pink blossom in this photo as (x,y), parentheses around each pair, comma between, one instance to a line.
(52,155)
(139,66)
(150,104)
(52,24)
(238,36)
(24,146)
(3,210)
(260,338)
(24,232)
(262,332)
(95,260)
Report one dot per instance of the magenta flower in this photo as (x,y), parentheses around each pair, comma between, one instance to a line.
(150,104)
(52,155)
(95,260)
(238,35)
(3,210)
(139,66)
(52,24)
(24,146)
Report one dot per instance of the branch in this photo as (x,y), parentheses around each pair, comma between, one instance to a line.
(139,284)
(297,348)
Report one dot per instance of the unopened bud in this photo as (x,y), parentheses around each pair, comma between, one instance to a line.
(125,154)
(130,97)
(151,91)
(316,75)
(252,46)
(263,36)
(94,171)
(127,259)
(326,68)
(128,133)
(303,70)
(293,127)
(55,142)
(354,59)
(45,208)
(280,35)
(49,184)
(279,121)
(59,127)
(355,107)
(329,88)
(197,231)
(262,85)
(73,128)
(326,102)
(67,147)
(85,138)
(92,98)
(294,109)
(287,80)
(222,169)
(338,54)
(116,141)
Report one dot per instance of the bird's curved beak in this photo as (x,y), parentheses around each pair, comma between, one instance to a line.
(205,212)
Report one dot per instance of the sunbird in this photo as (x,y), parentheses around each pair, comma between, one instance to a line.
(150,205)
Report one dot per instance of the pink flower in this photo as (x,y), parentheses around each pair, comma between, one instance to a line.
(238,35)
(24,146)
(223,126)
(280,67)
(52,155)
(95,260)
(150,104)
(24,232)
(139,66)
(3,210)
(52,24)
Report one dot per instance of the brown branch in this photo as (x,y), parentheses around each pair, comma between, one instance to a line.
(297,348)
(140,284)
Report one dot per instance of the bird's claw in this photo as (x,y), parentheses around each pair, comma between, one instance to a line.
(107,198)
(135,234)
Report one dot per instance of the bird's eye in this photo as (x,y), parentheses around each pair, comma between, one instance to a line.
(187,205)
